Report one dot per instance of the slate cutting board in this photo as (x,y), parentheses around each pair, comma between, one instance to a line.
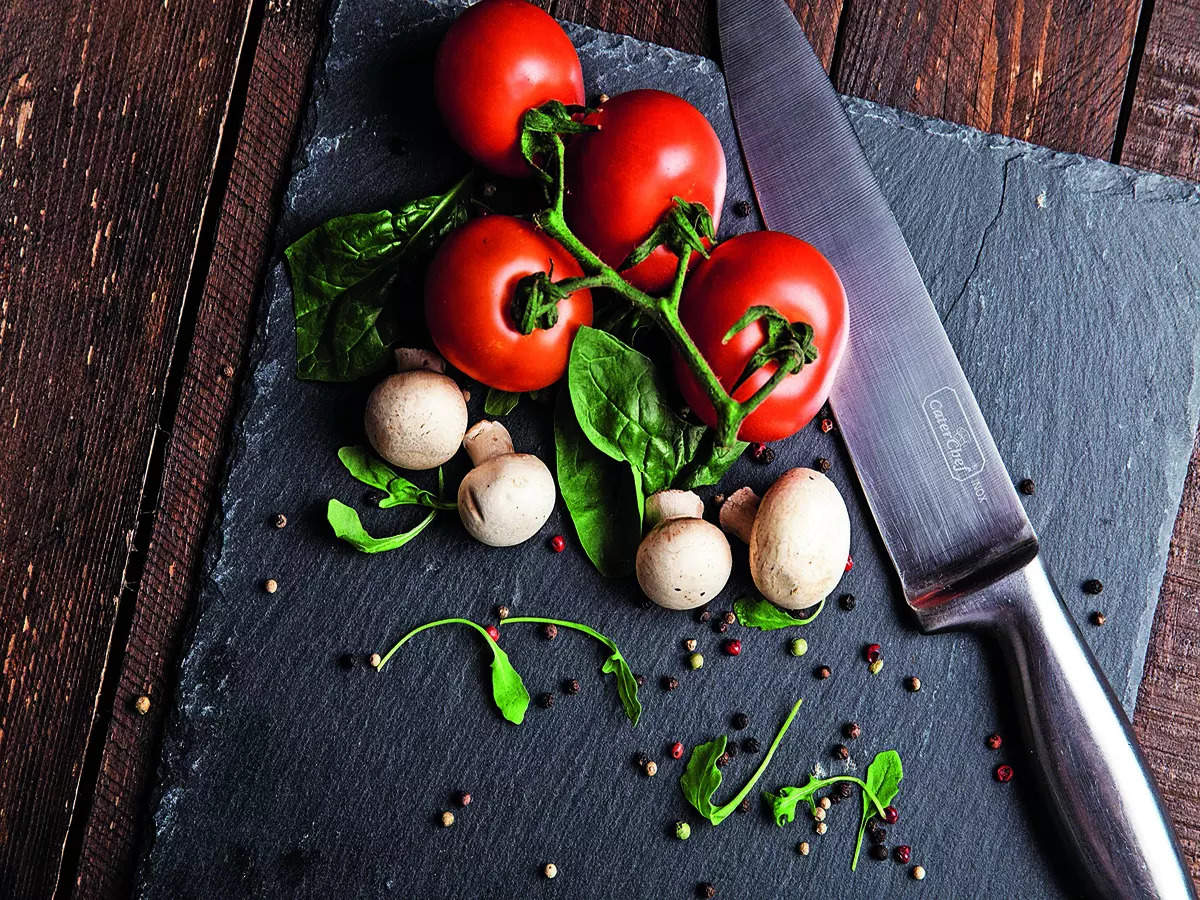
(1071,290)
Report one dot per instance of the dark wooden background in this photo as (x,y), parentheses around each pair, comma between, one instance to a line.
(143,148)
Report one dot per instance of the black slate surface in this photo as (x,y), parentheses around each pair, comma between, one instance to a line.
(1071,290)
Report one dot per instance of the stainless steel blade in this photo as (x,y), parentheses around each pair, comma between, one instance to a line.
(937,488)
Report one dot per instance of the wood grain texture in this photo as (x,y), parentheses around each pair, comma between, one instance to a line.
(1048,71)
(1163,132)
(108,125)
(195,453)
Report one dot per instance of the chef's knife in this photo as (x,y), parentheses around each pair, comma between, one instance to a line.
(946,509)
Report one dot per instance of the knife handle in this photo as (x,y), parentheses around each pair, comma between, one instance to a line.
(1104,799)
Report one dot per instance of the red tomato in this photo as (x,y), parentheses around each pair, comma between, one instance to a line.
(652,147)
(499,59)
(764,268)
(468,296)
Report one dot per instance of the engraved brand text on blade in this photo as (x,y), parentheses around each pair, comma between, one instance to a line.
(963,455)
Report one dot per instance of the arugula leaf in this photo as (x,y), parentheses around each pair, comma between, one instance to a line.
(701,779)
(342,274)
(500,403)
(508,690)
(783,804)
(605,508)
(348,526)
(627,688)
(621,407)
(883,783)
(757,612)
(369,469)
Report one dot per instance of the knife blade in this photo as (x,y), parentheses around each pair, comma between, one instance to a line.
(937,489)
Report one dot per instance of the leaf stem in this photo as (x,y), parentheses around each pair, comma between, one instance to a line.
(404,640)
(762,766)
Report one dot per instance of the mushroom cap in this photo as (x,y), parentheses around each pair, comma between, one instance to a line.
(506,499)
(800,540)
(683,563)
(416,420)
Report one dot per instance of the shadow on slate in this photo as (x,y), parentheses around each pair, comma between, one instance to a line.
(1070,289)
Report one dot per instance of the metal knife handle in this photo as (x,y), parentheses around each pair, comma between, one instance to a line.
(1104,800)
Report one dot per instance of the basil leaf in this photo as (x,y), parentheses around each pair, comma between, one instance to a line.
(369,469)
(883,782)
(605,508)
(627,688)
(757,612)
(701,778)
(621,407)
(347,526)
(342,274)
(500,403)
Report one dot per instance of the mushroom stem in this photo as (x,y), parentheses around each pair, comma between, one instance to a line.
(486,440)
(672,505)
(738,512)
(409,359)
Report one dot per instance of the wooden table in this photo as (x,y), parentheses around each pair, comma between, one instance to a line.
(143,150)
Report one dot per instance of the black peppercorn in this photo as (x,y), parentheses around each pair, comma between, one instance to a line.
(842,790)
(1026,486)
(739,720)
(640,759)
(876,833)
(822,672)
(640,679)
(841,751)
(823,464)
(705,889)
(731,749)
(852,730)
(545,700)
(751,745)
(719,626)
(723,759)
(571,686)
(744,806)
(669,682)
(703,615)
(743,208)
(847,601)
(488,189)
(1093,586)
(879,852)
(1098,618)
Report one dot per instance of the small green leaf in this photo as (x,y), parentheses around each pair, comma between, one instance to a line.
(500,403)
(347,526)
(883,783)
(783,805)
(755,611)
(369,469)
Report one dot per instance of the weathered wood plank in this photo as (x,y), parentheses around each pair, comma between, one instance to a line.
(108,124)
(1047,71)
(195,454)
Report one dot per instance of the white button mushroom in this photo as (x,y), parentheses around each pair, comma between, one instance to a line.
(799,537)
(415,419)
(683,561)
(508,496)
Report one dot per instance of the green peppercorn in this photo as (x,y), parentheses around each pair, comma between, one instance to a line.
(799,646)
(696,661)
(683,830)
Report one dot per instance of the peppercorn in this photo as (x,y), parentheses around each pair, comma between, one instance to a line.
(826,425)
(1026,486)
(849,563)
(902,854)
(762,454)
(502,612)
(703,615)
(374,660)
(280,520)
(872,652)
(558,543)
(696,661)
(841,751)
(852,730)
(1093,586)
(744,806)
(732,749)
(545,700)
(743,208)
(683,830)
(669,682)
(718,500)
(706,890)
(571,686)
(723,759)
(228,371)
(464,799)
(825,802)
(640,679)
(447,819)
(751,745)
(842,790)
(802,848)
(822,827)
(493,632)
(347,661)
(730,617)
(994,741)
(819,814)
(689,644)
(847,602)
(891,815)
(732,647)
(651,768)
(141,705)
(876,667)
(549,632)
(550,870)
(918,873)
(640,760)
(1098,618)
(1004,773)
(878,851)
(823,464)
(719,626)
(912,683)
(270,585)
(739,720)
(677,750)
(876,833)
(488,189)
(822,672)
(798,646)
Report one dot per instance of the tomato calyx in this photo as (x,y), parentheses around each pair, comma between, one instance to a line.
(535,300)
(541,130)
(682,230)
(788,344)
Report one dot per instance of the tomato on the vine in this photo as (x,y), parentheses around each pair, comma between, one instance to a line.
(499,59)
(651,147)
(469,292)
(764,268)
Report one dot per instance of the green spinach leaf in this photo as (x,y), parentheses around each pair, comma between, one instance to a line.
(500,403)
(602,495)
(883,783)
(701,779)
(342,275)
(369,469)
(757,612)
(348,526)
(627,688)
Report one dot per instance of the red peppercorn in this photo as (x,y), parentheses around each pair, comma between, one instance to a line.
(757,450)
(849,563)
(558,543)
(903,854)
(994,741)
(733,647)
(1004,774)
(677,750)
(872,653)
(826,425)
(891,815)
(493,632)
